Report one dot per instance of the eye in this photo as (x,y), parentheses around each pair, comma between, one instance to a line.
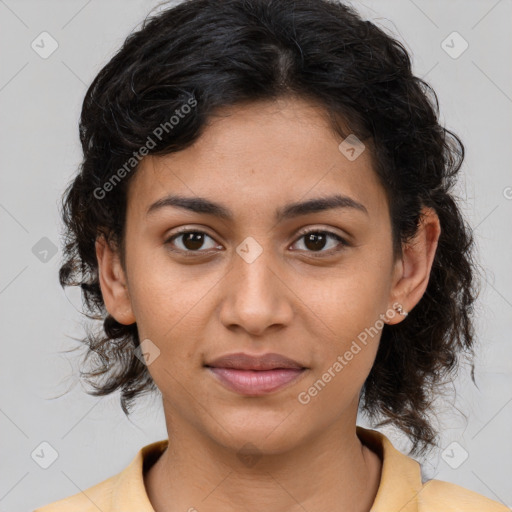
(192,241)
(317,240)
(314,241)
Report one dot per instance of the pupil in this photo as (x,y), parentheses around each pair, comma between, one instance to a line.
(315,241)
(193,241)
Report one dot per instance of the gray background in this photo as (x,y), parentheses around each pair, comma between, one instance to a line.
(40,99)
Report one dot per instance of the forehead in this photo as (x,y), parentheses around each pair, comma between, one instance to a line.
(259,155)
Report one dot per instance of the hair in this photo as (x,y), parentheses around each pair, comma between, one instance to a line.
(220,53)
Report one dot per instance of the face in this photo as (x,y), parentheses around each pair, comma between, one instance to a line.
(253,280)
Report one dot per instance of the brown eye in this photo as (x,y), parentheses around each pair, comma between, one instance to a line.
(192,241)
(317,241)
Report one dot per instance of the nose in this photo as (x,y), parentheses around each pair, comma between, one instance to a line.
(255,296)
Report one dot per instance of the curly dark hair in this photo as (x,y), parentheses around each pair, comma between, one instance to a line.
(220,53)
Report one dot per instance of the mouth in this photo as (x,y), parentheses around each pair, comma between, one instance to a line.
(255,375)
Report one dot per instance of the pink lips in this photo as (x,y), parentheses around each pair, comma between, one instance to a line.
(255,375)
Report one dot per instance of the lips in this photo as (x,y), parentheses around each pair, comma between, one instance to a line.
(242,361)
(255,375)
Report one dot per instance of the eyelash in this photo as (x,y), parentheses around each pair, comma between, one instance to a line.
(316,254)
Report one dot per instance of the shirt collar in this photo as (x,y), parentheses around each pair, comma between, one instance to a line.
(400,480)
(399,486)
(129,492)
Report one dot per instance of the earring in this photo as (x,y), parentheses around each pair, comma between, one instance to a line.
(400,310)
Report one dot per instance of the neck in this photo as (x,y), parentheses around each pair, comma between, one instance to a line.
(334,471)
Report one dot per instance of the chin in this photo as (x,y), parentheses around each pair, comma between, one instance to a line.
(271,432)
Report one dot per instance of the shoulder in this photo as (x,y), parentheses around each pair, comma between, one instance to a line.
(122,492)
(401,487)
(97,497)
(437,495)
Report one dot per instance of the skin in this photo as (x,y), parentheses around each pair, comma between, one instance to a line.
(253,159)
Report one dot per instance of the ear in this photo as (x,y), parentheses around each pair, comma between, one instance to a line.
(113,283)
(412,270)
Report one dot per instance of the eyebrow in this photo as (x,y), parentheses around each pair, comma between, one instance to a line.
(289,211)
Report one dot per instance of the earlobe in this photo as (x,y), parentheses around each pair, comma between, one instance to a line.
(415,265)
(113,283)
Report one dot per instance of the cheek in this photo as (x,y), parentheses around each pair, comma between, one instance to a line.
(348,310)
(344,359)
(165,296)
(348,299)
(171,310)
(335,386)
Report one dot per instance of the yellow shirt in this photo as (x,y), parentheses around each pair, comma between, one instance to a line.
(400,488)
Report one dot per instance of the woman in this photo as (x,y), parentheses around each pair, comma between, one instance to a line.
(263,220)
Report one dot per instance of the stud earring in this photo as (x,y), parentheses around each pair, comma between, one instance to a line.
(398,308)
